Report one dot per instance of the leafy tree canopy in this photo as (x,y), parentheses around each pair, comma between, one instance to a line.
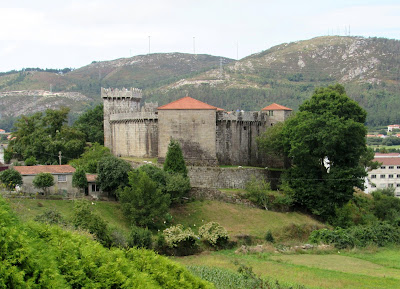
(43,181)
(91,124)
(79,179)
(325,142)
(10,178)
(112,173)
(142,202)
(43,135)
(90,158)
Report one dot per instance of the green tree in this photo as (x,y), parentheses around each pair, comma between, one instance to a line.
(174,161)
(43,181)
(91,124)
(142,202)
(90,158)
(31,161)
(112,173)
(325,142)
(10,178)
(79,179)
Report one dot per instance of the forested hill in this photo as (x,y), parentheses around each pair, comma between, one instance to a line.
(369,68)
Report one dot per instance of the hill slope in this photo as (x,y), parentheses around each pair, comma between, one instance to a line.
(288,73)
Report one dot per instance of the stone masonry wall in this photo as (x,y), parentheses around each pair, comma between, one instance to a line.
(236,138)
(138,138)
(234,178)
(195,131)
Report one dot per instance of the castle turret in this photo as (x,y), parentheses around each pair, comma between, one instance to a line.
(118,101)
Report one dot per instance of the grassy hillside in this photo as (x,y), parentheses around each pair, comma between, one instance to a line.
(242,220)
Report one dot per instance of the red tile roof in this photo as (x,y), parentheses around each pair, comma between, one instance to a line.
(276,106)
(188,103)
(388,161)
(52,169)
(91,178)
(382,155)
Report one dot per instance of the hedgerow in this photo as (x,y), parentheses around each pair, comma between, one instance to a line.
(36,255)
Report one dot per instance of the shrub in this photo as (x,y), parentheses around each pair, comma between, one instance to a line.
(214,234)
(10,178)
(43,181)
(174,161)
(140,238)
(181,241)
(177,187)
(84,218)
(50,216)
(379,234)
(268,237)
(260,193)
(31,161)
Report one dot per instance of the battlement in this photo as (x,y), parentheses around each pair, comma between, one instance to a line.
(252,116)
(134,93)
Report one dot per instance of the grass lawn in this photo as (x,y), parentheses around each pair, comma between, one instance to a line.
(313,271)
(238,219)
(28,209)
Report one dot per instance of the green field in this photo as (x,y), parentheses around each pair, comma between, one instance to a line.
(329,270)
(368,268)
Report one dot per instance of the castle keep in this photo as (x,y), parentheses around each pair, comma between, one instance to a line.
(208,135)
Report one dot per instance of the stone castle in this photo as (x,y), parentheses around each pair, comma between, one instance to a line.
(208,135)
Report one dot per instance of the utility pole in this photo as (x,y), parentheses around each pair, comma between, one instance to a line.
(59,157)
(149,44)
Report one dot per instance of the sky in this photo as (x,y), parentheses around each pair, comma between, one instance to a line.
(63,33)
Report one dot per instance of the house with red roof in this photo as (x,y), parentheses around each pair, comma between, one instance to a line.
(208,135)
(2,131)
(62,178)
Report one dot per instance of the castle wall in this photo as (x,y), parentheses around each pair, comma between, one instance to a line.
(236,138)
(229,178)
(194,129)
(135,137)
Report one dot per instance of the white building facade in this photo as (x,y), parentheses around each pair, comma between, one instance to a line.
(385,176)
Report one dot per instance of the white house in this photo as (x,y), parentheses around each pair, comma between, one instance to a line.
(387,175)
(393,126)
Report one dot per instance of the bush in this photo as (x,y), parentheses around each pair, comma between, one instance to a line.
(174,161)
(50,216)
(140,238)
(260,193)
(84,218)
(31,161)
(181,241)
(214,235)
(11,178)
(268,237)
(177,187)
(43,181)
(379,234)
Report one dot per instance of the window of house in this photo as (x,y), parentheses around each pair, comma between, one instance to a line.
(95,188)
(382,176)
(390,176)
(398,176)
(383,167)
(61,178)
(398,185)
(391,167)
(270,112)
(398,167)
(373,176)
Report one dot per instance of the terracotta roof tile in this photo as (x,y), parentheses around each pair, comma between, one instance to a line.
(188,103)
(276,106)
(91,178)
(52,169)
